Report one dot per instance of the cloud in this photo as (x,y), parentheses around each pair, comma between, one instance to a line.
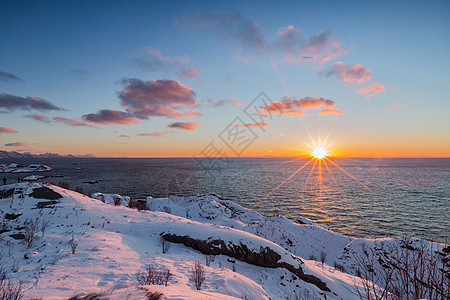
(7,130)
(395,107)
(7,77)
(355,74)
(188,114)
(80,74)
(110,116)
(12,102)
(124,136)
(16,144)
(296,107)
(249,125)
(155,61)
(331,111)
(233,27)
(73,122)
(183,125)
(289,45)
(217,103)
(38,117)
(372,90)
(143,99)
(319,49)
(153,134)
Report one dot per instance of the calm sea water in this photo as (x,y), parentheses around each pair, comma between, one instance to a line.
(364,197)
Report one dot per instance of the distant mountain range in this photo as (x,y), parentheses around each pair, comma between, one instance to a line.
(14,154)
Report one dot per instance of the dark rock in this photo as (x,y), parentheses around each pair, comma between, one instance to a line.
(6,193)
(46,204)
(45,193)
(266,257)
(12,216)
(17,236)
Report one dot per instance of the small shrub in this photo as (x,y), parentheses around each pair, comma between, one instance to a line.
(44,224)
(79,189)
(64,185)
(31,228)
(90,296)
(73,245)
(154,295)
(323,257)
(139,204)
(9,290)
(208,260)
(338,267)
(154,276)
(116,201)
(312,257)
(198,275)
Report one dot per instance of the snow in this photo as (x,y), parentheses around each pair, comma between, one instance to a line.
(16,168)
(114,242)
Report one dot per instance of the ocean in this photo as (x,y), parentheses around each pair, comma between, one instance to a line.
(360,197)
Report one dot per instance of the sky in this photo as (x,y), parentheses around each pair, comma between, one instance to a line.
(234,78)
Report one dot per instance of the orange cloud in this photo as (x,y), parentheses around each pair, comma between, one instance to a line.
(331,112)
(395,107)
(124,136)
(372,90)
(153,134)
(295,106)
(7,130)
(249,125)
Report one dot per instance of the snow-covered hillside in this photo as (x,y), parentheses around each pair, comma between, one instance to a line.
(97,245)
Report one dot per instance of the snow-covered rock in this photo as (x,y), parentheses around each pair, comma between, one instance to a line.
(114,242)
(16,168)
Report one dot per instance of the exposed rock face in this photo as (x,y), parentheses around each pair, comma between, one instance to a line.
(266,257)
(45,193)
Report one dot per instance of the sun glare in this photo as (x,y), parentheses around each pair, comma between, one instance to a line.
(319,152)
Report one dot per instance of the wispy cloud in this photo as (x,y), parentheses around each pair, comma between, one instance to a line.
(8,77)
(38,117)
(155,61)
(7,130)
(372,90)
(250,125)
(395,107)
(288,46)
(297,107)
(12,102)
(319,49)
(153,134)
(80,74)
(331,111)
(110,116)
(351,75)
(16,144)
(216,103)
(124,136)
(73,122)
(184,125)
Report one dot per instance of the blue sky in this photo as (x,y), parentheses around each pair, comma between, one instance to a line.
(75,55)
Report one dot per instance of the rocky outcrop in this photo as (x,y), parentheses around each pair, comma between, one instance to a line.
(266,257)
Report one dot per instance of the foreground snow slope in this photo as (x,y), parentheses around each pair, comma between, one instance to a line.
(249,256)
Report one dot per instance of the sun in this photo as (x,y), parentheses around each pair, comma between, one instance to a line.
(319,152)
